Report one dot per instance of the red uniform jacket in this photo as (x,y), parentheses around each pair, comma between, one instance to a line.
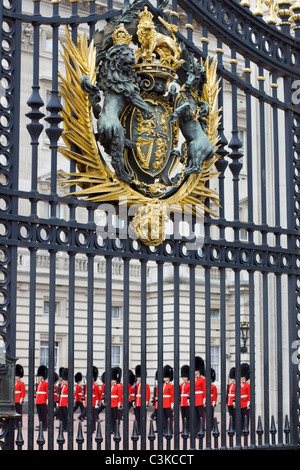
(200,390)
(20,391)
(184,393)
(102,397)
(131,394)
(56,396)
(96,394)
(138,394)
(78,393)
(41,393)
(155,398)
(231,394)
(63,399)
(245,394)
(168,395)
(116,398)
(214,395)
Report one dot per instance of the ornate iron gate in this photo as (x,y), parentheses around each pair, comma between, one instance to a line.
(247,265)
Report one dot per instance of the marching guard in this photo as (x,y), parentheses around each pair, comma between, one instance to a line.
(63,400)
(168,398)
(138,396)
(116,402)
(41,399)
(245,393)
(200,391)
(185,395)
(20,392)
(231,396)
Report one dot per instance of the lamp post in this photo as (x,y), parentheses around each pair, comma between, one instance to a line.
(244,328)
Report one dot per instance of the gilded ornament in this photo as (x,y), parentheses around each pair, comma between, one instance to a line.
(124,116)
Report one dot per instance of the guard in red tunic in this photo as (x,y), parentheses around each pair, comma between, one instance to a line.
(20,392)
(41,399)
(138,396)
(78,394)
(214,395)
(245,394)
(63,400)
(168,398)
(185,396)
(154,399)
(200,391)
(116,396)
(131,389)
(231,396)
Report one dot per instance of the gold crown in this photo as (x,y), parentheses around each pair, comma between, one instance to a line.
(146,14)
(121,35)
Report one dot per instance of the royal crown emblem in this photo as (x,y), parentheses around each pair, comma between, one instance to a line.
(134,130)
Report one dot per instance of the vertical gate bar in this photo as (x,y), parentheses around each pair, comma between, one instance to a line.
(193,353)
(92,13)
(31,349)
(291,224)
(51,345)
(90,344)
(126,333)
(223,376)
(249,146)
(208,411)
(143,422)
(237,304)
(262,153)
(252,358)
(235,144)
(71,346)
(279,358)
(108,324)
(221,163)
(176,355)
(160,353)
(266,376)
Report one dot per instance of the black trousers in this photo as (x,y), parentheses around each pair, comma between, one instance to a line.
(199,413)
(185,413)
(42,414)
(63,417)
(231,411)
(167,414)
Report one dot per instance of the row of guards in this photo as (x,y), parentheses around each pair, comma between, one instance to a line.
(61,394)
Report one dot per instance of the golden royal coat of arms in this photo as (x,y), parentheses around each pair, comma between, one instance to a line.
(137,132)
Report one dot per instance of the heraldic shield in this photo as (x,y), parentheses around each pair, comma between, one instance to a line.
(140,119)
(151,156)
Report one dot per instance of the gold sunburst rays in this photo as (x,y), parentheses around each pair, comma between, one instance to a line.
(94,179)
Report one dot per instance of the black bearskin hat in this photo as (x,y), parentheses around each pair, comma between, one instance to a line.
(19,370)
(42,372)
(55,377)
(245,370)
(131,377)
(64,374)
(232,373)
(168,372)
(138,371)
(60,371)
(212,375)
(95,373)
(199,365)
(185,371)
(103,377)
(116,374)
(78,377)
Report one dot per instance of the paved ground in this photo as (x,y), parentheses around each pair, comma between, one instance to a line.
(84,434)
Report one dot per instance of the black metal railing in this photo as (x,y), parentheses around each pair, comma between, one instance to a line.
(272,169)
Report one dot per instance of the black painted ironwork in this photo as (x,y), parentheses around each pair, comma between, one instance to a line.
(275,52)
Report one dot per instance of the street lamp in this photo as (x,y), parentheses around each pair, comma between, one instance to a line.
(244,328)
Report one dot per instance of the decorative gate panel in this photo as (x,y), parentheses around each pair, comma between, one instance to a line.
(78,291)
